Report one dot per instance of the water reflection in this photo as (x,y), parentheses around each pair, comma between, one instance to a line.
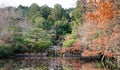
(46,64)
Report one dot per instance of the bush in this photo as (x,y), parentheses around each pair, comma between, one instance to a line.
(68,43)
(17,48)
(41,46)
(5,51)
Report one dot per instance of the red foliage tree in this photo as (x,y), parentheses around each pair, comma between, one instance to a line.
(104,14)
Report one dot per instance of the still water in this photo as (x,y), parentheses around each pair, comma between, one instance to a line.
(47,64)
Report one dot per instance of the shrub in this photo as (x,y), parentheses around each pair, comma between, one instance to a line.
(41,46)
(5,51)
(17,48)
(68,43)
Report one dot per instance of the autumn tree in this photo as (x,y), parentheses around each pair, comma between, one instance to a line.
(104,33)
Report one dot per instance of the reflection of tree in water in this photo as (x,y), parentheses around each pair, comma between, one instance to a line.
(76,64)
(23,64)
(47,64)
(54,64)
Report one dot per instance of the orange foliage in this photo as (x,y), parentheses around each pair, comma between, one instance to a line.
(109,54)
(63,50)
(90,53)
(75,48)
(92,33)
(104,10)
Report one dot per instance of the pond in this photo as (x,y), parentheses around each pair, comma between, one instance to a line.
(48,63)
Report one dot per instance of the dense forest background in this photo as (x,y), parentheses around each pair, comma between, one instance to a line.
(34,28)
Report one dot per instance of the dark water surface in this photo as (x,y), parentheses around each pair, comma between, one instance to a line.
(50,63)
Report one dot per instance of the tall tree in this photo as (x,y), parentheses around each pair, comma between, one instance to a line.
(78,15)
(33,12)
(104,33)
(57,12)
(45,11)
(24,9)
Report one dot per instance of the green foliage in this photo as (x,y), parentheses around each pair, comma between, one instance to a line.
(39,22)
(41,46)
(76,14)
(50,18)
(52,38)
(49,25)
(68,43)
(46,25)
(5,51)
(45,11)
(57,12)
(110,63)
(66,67)
(99,64)
(62,27)
(33,12)
(37,34)
(17,48)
